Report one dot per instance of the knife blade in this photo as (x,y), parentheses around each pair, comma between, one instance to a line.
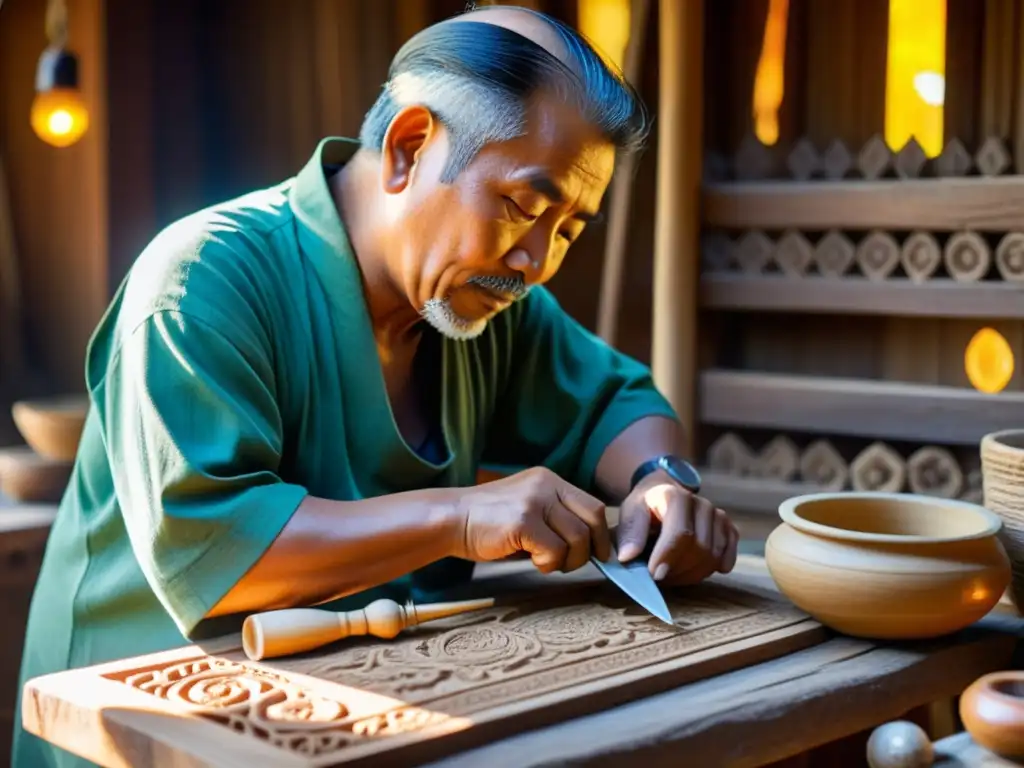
(635,580)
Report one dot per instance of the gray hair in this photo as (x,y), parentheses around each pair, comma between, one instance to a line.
(477,79)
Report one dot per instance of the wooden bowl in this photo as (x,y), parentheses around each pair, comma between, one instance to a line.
(1002,472)
(888,565)
(992,709)
(27,477)
(52,426)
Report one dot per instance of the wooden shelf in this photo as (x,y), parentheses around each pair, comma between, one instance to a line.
(978,203)
(882,410)
(939,297)
(750,494)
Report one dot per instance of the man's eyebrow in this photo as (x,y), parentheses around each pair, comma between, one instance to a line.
(550,190)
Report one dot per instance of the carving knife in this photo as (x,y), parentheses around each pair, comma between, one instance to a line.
(635,580)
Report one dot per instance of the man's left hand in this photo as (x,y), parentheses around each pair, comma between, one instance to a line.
(695,538)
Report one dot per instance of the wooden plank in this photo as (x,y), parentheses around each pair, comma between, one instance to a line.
(752,495)
(26,517)
(762,714)
(983,204)
(940,297)
(884,410)
(556,652)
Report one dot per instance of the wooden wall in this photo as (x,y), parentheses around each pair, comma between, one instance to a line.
(58,197)
(800,350)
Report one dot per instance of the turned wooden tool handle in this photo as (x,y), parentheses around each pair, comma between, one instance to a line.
(294,630)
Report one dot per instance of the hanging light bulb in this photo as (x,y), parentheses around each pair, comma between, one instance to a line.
(59,115)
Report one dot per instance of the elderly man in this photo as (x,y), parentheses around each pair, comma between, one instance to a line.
(293,391)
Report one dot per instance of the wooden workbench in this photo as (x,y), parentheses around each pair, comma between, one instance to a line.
(749,717)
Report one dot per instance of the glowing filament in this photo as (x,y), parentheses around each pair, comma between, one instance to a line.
(769,82)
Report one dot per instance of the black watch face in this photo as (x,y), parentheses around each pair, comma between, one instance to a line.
(682,471)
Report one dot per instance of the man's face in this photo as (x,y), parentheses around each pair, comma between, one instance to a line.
(466,250)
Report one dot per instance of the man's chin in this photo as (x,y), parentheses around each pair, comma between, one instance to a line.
(442,318)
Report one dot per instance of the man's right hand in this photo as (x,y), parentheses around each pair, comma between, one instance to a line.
(534,511)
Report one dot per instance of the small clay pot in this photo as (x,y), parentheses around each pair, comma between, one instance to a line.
(53,426)
(992,710)
(888,565)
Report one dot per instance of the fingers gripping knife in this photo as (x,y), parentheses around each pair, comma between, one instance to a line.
(635,580)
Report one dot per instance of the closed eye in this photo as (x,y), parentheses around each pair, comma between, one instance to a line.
(515,212)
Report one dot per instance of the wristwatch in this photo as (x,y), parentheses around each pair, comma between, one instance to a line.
(679,470)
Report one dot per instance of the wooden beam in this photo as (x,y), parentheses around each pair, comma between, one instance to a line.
(677,217)
(884,410)
(753,495)
(985,204)
(940,297)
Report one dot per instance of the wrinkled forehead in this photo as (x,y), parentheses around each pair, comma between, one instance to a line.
(560,144)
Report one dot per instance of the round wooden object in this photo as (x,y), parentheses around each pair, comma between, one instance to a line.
(52,427)
(967,257)
(822,465)
(920,256)
(934,471)
(730,455)
(779,460)
(794,254)
(717,252)
(834,254)
(900,744)
(753,252)
(1002,469)
(878,468)
(992,710)
(878,254)
(1010,256)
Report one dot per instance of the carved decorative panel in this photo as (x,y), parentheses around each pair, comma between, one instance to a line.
(585,649)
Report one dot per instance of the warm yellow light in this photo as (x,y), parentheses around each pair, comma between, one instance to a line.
(915,82)
(606,24)
(59,116)
(769,81)
(988,361)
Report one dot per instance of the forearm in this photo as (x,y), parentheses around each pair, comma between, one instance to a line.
(330,549)
(644,439)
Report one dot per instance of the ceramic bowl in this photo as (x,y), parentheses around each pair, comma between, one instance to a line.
(992,710)
(888,565)
(27,477)
(53,426)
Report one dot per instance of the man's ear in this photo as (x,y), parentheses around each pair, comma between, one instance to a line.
(407,136)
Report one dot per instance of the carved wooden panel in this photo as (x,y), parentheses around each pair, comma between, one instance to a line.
(800,160)
(444,686)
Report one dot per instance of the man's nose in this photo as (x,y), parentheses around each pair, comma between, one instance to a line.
(524,263)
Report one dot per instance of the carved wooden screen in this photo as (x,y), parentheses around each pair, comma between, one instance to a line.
(842,278)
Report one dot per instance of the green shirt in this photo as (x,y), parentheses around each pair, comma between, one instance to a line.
(236,371)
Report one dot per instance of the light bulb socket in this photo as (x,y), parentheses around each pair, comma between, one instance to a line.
(58,68)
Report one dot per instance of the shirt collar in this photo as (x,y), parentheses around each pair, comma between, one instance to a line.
(311,198)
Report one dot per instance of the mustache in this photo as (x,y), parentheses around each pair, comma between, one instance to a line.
(507,286)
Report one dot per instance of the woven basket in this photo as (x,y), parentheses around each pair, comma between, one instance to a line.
(1002,467)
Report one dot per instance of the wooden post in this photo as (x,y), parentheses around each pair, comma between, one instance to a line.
(677,208)
(622,190)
